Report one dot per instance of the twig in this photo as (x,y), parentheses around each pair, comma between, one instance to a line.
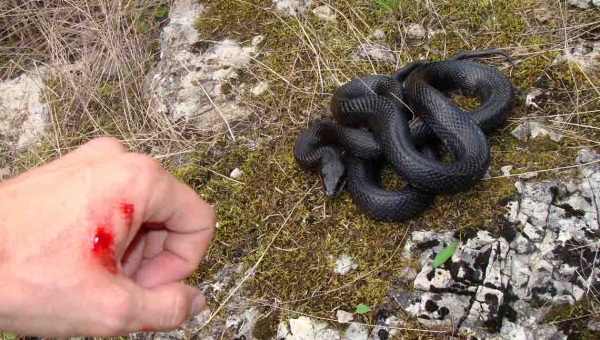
(538,171)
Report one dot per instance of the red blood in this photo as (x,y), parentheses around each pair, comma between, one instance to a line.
(147,329)
(127,211)
(104,241)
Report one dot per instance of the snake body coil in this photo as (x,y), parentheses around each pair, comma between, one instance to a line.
(383,105)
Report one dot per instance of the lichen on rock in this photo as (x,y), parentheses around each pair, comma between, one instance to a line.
(532,261)
(187,84)
(23,112)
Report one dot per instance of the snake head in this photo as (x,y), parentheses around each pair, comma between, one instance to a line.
(333,173)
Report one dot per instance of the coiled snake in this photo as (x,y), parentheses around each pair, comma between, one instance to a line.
(383,105)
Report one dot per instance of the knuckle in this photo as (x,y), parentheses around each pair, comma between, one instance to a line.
(144,163)
(108,143)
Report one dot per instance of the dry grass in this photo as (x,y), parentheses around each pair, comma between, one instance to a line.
(98,53)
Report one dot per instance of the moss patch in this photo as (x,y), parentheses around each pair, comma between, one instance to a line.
(572,320)
(304,59)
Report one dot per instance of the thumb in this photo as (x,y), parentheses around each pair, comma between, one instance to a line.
(166,307)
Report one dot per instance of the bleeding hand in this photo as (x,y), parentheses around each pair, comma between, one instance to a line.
(95,244)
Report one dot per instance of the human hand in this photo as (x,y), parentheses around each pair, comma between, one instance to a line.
(95,243)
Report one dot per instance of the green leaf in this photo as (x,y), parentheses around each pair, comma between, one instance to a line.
(362,309)
(141,25)
(161,11)
(10,336)
(444,255)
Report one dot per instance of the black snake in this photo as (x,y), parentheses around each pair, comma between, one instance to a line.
(384,105)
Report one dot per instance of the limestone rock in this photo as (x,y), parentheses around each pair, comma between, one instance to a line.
(506,170)
(292,7)
(304,328)
(260,88)
(374,53)
(236,173)
(183,80)
(584,4)
(356,332)
(325,12)
(586,55)
(379,34)
(344,317)
(23,116)
(416,31)
(492,279)
(344,264)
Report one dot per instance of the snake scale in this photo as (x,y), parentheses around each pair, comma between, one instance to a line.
(401,120)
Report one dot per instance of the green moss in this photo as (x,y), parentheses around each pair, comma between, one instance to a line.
(302,60)
(572,319)
(266,327)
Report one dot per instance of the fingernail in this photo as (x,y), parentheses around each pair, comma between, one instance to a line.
(198,304)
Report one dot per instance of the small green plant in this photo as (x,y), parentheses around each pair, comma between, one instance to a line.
(388,5)
(444,255)
(362,309)
(10,336)
(161,12)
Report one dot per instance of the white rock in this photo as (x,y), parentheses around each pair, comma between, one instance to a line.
(236,173)
(260,88)
(344,317)
(521,132)
(555,136)
(506,170)
(356,332)
(387,325)
(433,32)
(408,274)
(375,53)
(441,309)
(536,130)
(584,4)
(182,79)
(325,12)
(257,40)
(586,55)
(305,328)
(343,264)
(441,279)
(578,293)
(23,116)
(416,31)
(292,7)
(379,34)
(585,156)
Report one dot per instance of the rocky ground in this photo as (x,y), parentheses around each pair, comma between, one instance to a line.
(526,263)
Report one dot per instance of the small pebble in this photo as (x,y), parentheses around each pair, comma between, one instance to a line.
(324,12)
(259,89)
(379,34)
(236,173)
(416,31)
(506,170)
(257,40)
(344,317)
